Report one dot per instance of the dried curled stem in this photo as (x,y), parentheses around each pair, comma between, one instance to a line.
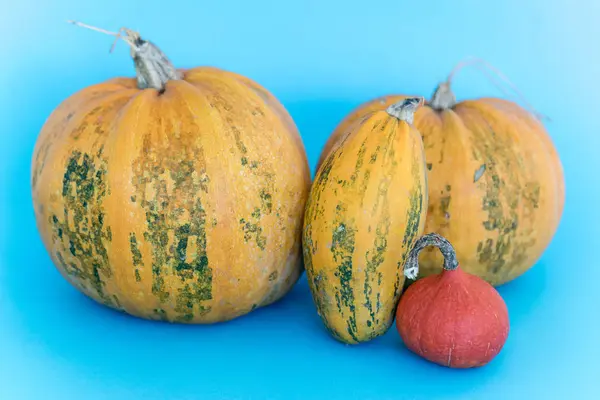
(153,68)
(411,268)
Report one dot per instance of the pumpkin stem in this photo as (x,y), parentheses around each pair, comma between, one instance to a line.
(443,98)
(405,110)
(152,67)
(411,268)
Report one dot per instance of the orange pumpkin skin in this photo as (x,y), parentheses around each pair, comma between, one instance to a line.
(496,184)
(185,205)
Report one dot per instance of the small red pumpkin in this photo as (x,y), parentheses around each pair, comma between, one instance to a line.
(454,318)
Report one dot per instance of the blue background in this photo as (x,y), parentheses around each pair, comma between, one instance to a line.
(320,59)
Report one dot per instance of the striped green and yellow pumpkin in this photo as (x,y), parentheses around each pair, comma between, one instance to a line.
(178,196)
(366,207)
(496,182)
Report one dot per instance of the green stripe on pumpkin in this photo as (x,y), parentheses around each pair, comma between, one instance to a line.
(176,211)
(83,191)
(413,215)
(342,247)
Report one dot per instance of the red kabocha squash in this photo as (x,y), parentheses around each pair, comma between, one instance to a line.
(453,318)
(496,185)
(176,196)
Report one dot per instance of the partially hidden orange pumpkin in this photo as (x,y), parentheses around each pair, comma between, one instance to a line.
(496,184)
(176,196)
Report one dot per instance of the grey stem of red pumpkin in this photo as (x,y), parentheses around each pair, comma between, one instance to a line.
(153,68)
(492,73)
(411,268)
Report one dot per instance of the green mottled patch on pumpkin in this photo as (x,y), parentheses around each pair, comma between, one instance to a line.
(359,161)
(266,201)
(485,250)
(506,191)
(84,189)
(160,314)
(182,173)
(272,276)
(257,168)
(531,195)
(342,248)
(316,279)
(117,302)
(376,255)
(373,158)
(253,231)
(157,237)
(319,288)
(364,185)
(375,258)
(445,206)
(185,305)
(413,215)
(505,222)
(71,268)
(196,271)
(135,251)
(237,135)
(170,179)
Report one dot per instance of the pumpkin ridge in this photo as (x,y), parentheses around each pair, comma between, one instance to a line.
(382,229)
(316,281)
(136,255)
(79,232)
(83,191)
(271,102)
(62,119)
(414,221)
(250,224)
(346,267)
(342,249)
(500,193)
(269,188)
(316,278)
(166,190)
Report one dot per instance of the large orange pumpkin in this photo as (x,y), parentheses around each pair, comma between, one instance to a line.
(365,210)
(496,188)
(176,196)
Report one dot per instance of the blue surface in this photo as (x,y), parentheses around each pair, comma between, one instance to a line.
(320,60)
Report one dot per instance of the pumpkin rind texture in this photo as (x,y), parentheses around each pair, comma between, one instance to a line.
(496,183)
(183,206)
(366,207)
